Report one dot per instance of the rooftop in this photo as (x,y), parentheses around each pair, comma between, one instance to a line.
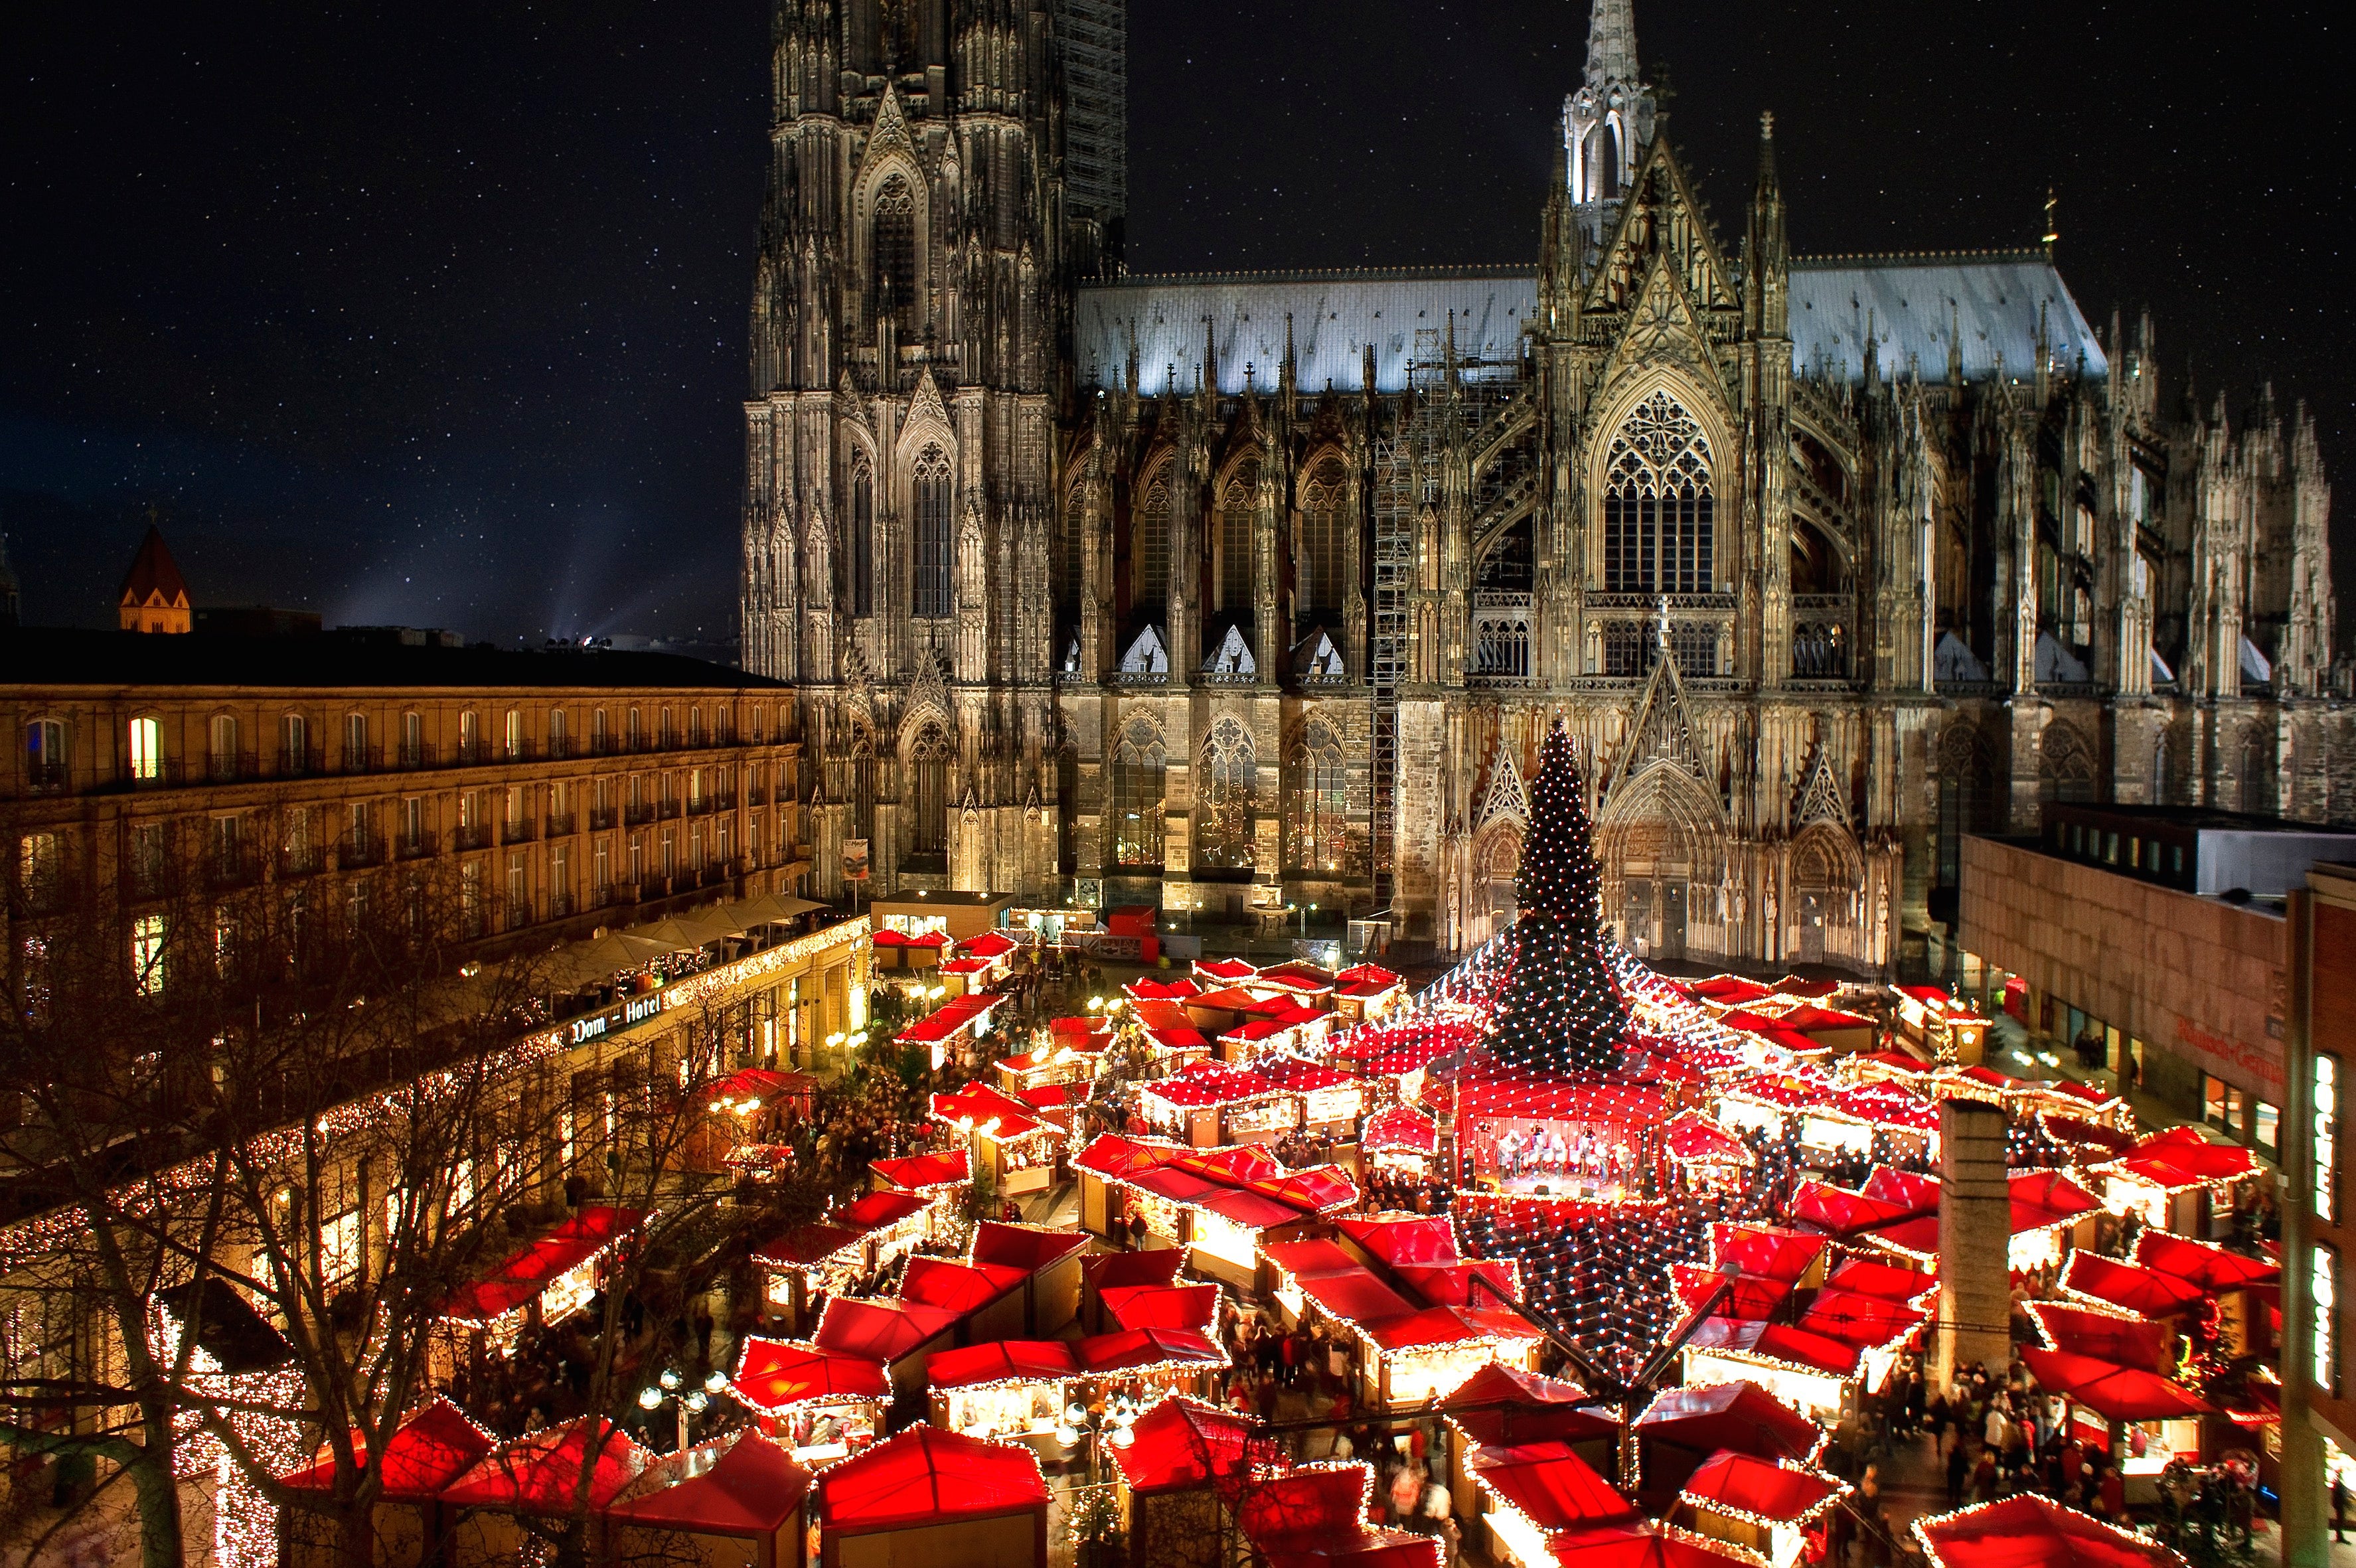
(53,656)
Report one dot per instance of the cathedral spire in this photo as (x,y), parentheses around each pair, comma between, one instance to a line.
(1611,42)
(1606,123)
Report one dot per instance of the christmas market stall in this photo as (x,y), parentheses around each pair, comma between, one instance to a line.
(903,1334)
(741,1115)
(2030,1531)
(424,1454)
(1499,1406)
(735,1507)
(1209,1104)
(1643,1544)
(2177,1181)
(2247,1291)
(937,1498)
(954,1028)
(1049,1259)
(1222,1203)
(1331,1100)
(1010,1389)
(909,954)
(1707,1157)
(1014,1149)
(927,1177)
(1314,1516)
(1178,1455)
(1682,1427)
(1404,1138)
(1366,992)
(556,1483)
(545,1281)
(1191,1307)
(1133,1367)
(1530,1491)
(1940,1029)
(1422,1331)
(2143,1419)
(983,1296)
(1769,1508)
(1103,1273)
(825,1256)
(822,1403)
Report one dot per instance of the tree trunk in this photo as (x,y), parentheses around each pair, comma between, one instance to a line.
(155,1492)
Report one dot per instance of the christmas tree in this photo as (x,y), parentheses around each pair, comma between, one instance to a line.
(1559,1009)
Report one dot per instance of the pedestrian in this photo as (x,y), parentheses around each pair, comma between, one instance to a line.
(2339,1506)
(1958,1465)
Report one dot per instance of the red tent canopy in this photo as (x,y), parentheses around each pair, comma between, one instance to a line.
(1778,1342)
(424,1454)
(1227,971)
(1870,1276)
(1163,1306)
(2042,1198)
(1005,1360)
(1738,1415)
(918,1172)
(1549,1483)
(773,1375)
(1764,1250)
(2137,1289)
(522,1275)
(1499,1403)
(1841,1211)
(1401,1238)
(1402,1128)
(881,1329)
(1642,1544)
(878,1211)
(1110,1270)
(1740,1484)
(1751,1298)
(544,1473)
(925,1476)
(1307,1501)
(754,1488)
(758,1084)
(2137,1342)
(1029,1248)
(1855,1318)
(2030,1531)
(2213,1268)
(2183,1162)
(1728,989)
(957,1288)
(807,1243)
(1695,1139)
(2117,1392)
(1179,1444)
(989,944)
(1911,1190)
(1135,1349)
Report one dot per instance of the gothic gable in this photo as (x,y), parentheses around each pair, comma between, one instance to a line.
(1662,327)
(1663,216)
(1507,798)
(1661,728)
(1820,797)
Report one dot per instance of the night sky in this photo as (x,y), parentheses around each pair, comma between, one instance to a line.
(436,314)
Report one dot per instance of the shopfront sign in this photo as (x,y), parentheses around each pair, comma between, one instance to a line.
(625,1013)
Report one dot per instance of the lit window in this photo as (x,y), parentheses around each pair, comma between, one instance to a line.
(2327,1139)
(146,749)
(2269,1129)
(2325,1287)
(147,955)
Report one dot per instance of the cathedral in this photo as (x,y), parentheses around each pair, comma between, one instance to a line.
(1242,591)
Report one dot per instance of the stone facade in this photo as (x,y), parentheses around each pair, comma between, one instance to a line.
(1256,589)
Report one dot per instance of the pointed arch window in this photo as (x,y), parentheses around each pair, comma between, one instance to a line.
(1149,545)
(1659,505)
(928,797)
(932,491)
(862,540)
(1078,528)
(1235,564)
(1318,822)
(1320,573)
(896,253)
(1138,776)
(1224,836)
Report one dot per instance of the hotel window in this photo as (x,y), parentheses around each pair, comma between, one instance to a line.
(2327,1139)
(602,867)
(636,729)
(2269,1128)
(147,955)
(518,890)
(148,749)
(515,732)
(470,736)
(558,734)
(359,849)
(45,753)
(295,754)
(355,742)
(413,823)
(2325,1287)
(413,740)
(560,875)
(597,729)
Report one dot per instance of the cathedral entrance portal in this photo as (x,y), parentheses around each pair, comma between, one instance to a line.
(1660,834)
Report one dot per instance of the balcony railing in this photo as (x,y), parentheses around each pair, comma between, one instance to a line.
(516,830)
(232,865)
(302,860)
(232,767)
(639,815)
(414,754)
(700,806)
(563,827)
(722,801)
(418,845)
(667,810)
(1501,640)
(601,818)
(352,850)
(363,760)
(475,835)
(300,761)
(47,778)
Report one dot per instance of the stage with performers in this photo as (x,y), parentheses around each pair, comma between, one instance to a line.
(1529,1133)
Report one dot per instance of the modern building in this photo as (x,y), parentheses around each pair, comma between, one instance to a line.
(1256,589)
(2151,939)
(556,792)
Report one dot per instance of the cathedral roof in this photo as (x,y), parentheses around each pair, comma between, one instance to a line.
(1914,303)
(1993,300)
(1335,316)
(155,577)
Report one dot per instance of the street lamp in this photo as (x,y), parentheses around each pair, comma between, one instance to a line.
(1110,1424)
(692,1404)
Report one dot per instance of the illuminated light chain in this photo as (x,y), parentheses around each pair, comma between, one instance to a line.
(1817,1509)
(2157,1553)
(245,1521)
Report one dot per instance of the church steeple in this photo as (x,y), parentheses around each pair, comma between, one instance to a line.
(1607,123)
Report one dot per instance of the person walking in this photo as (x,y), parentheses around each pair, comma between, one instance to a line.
(2338,1507)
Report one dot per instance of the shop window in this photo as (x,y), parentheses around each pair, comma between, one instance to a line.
(2269,1128)
(2215,1100)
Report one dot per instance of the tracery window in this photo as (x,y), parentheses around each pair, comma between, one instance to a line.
(1318,565)
(1150,552)
(1235,538)
(1317,826)
(895,251)
(1138,766)
(929,796)
(862,540)
(932,498)
(1659,506)
(1223,837)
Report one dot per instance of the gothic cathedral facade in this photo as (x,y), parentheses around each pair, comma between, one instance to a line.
(1236,592)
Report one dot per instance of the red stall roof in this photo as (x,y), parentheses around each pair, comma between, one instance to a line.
(989,944)
(2085,1134)
(1778,1342)
(2130,1341)
(523,1274)
(2030,1531)
(1402,1127)
(1029,1248)
(2117,1392)
(1314,1517)
(808,1243)
(882,1329)
(1225,968)
(1111,1271)
(1740,1484)
(1499,1402)
(758,1083)
(2175,1164)
(1434,1326)
(773,1375)
(2213,1268)
(753,1490)
(543,1473)
(1751,1300)
(1561,1099)
(424,1454)
(2043,1199)
(1738,1415)
(1179,1444)
(2145,1291)
(1871,1276)
(879,1211)
(917,1171)
(1207,1083)
(1728,989)
(1134,1349)
(1553,1486)
(1005,1360)
(1401,1238)
(1299,1076)
(1763,1250)
(925,1476)
(1911,1190)
(1841,1211)
(1163,1306)
(1642,1544)
(959,1288)
(1176,990)
(1855,1318)
(1695,1139)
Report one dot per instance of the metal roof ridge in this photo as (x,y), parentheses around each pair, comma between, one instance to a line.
(1917,258)
(1471,270)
